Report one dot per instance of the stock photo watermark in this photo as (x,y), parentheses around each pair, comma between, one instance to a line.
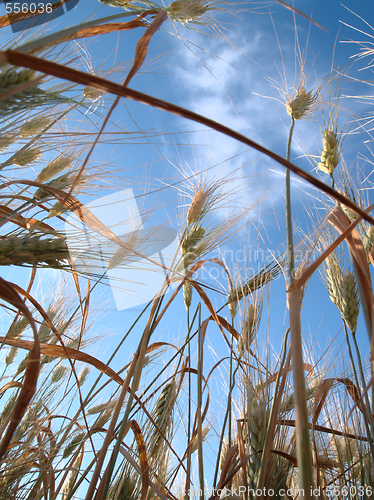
(136,271)
(108,240)
(137,266)
(331,491)
(28,14)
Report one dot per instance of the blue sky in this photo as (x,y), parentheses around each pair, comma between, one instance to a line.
(228,79)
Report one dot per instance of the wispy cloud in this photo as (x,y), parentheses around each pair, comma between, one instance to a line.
(223,87)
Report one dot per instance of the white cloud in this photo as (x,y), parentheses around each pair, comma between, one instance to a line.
(221,87)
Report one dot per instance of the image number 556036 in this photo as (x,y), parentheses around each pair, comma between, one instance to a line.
(26,14)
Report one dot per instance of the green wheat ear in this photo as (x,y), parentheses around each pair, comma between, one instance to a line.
(250,326)
(74,443)
(11,355)
(6,141)
(33,250)
(30,97)
(53,168)
(34,126)
(350,305)
(18,328)
(26,156)
(162,417)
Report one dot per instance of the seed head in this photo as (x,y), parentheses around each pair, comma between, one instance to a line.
(128,4)
(104,417)
(34,126)
(83,375)
(102,407)
(11,77)
(45,333)
(371,256)
(233,308)
(133,243)
(257,281)
(330,152)
(301,105)
(196,210)
(343,292)
(92,93)
(334,277)
(26,156)
(62,182)
(350,307)
(191,257)
(162,417)
(349,213)
(57,209)
(369,240)
(192,238)
(6,140)
(76,441)
(32,250)
(195,442)
(58,373)
(187,11)
(249,327)
(124,486)
(187,294)
(11,355)
(53,168)
(8,407)
(18,328)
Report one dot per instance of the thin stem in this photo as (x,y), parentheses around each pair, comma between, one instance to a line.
(188,475)
(228,411)
(358,387)
(229,402)
(332,181)
(290,248)
(223,430)
(136,370)
(278,391)
(199,406)
(304,450)
(368,416)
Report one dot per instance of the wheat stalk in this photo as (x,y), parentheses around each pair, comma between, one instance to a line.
(33,250)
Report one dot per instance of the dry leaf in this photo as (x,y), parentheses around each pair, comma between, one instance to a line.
(56,351)
(8,293)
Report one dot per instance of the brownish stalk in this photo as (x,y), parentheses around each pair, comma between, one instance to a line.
(340,221)
(274,415)
(299,282)
(133,371)
(301,14)
(327,430)
(109,434)
(9,294)
(56,351)
(102,29)
(301,413)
